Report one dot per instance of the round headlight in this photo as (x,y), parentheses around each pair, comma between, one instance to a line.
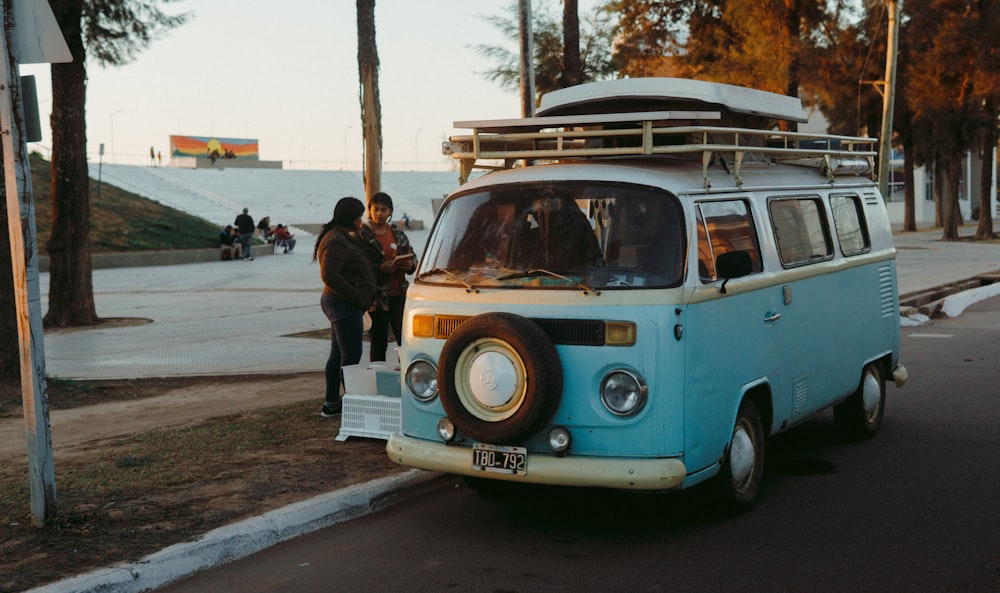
(623,393)
(421,380)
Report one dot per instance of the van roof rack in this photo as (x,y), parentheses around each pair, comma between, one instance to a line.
(594,135)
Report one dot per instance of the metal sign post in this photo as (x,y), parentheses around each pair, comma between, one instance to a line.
(100,165)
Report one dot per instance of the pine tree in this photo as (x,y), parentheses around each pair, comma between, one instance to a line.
(554,65)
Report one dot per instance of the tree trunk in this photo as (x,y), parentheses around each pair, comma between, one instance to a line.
(793,34)
(71,290)
(988,141)
(950,199)
(572,73)
(371,108)
(938,185)
(909,191)
(526,53)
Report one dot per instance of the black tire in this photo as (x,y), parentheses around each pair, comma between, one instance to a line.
(500,378)
(743,465)
(860,415)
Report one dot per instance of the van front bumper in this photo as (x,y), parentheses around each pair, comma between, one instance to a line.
(601,472)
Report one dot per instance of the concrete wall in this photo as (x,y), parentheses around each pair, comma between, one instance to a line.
(139,259)
(314,229)
(206,163)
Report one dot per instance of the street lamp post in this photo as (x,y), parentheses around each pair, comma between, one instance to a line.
(345,146)
(111,124)
(100,165)
(416,149)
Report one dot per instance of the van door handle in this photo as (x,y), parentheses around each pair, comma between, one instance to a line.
(772,317)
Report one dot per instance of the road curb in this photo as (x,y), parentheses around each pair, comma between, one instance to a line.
(930,301)
(247,537)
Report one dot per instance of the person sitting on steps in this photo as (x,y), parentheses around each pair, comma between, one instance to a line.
(229,244)
(284,239)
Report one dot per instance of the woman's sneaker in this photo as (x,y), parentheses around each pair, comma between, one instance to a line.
(330,410)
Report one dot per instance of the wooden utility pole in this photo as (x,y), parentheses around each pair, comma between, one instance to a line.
(525,38)
(888,101)
(38,41)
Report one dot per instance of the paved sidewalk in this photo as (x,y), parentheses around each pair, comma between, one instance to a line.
(216,318)
(924,261)
(237,317)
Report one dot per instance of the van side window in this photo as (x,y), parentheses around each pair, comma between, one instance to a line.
(723,227)
(800,230)
(848,218)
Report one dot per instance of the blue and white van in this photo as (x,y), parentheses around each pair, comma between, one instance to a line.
(653,281)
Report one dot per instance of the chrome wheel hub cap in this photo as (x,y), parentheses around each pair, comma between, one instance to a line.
(742,455)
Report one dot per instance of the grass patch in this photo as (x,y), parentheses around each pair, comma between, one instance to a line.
(121,220)
(159,459)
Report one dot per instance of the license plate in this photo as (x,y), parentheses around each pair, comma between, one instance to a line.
(500,459)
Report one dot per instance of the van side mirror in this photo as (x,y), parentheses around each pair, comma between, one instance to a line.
(734,264)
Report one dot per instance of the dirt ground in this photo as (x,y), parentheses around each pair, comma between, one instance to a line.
(144,464)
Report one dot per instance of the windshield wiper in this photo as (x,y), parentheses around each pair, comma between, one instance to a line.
(451,275)
(543,272)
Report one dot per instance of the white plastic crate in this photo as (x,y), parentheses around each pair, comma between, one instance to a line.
(371,416)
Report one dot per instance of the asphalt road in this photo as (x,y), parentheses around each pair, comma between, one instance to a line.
(916,509)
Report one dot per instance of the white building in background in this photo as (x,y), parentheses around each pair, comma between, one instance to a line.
(923,201)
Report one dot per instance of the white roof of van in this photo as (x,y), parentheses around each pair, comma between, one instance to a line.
(648,94)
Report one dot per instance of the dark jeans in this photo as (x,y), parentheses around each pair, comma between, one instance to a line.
(381,322)
(345,345)
(246,239)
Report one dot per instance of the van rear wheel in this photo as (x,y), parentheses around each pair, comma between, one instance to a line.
(743,465)
(860,415)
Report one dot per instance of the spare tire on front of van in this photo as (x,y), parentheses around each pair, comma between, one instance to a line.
(500,378)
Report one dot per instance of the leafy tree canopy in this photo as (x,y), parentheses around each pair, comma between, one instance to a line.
(116,31)
(595,48)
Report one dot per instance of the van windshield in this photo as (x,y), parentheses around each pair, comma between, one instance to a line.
(558,235)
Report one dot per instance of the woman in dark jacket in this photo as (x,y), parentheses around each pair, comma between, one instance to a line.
(348,289)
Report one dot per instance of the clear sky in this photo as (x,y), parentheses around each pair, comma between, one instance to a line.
(285,72)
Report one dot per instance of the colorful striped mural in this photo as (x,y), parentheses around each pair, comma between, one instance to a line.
(205,146)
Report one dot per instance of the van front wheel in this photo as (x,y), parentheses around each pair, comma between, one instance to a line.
(743,464)
(860,415)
